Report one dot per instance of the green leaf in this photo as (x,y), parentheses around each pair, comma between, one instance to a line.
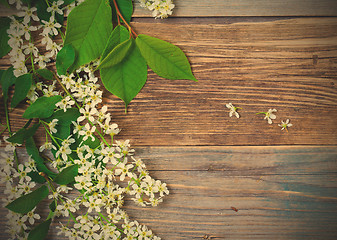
(67,2)
(127,78)
(65,120)
(43,14)
(118,35)
(67,175)
(22,87)
(28,2)
(27,202)
(4,3)
(21,135)
(45,73)
(35,154)
(43,107)
(50,215)
(40,231)
(92,144)
(125,7)
(117,54)
(88,29)
(36,177)
(42,11)
(7,80)
(52,206)
(65,116)
(4,47)
(165,59)
(64,59)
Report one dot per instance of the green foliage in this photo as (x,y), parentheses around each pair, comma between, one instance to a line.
(40,231)
(22,86)
(7,80)
(4,3)
(88,35)
(28,2)
(43,14)
(4,47)
(42,10)
(117,54)
(35,154)
(128,77)
(21,135)
(67,175)
(92,144)
(65,120)
(52,206)
(118,35)
(165,59)
(125,7)
(27,202)
(36,177)
(45,73)
(64,59)
(67,2)
(43,107)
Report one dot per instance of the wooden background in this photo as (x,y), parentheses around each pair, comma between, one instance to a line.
(258,55)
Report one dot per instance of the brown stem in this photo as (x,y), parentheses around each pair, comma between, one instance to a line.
(121,16)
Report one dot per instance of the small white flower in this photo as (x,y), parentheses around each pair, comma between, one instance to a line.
(269,115)
(17,2)
(123,171)
(27,30)
(87,113)
(82,183)
(52,125)
(66,207)
(30,49)
(285,125)
(56,7)
(42,60)
(22,173)
(114,216)
(87,132)
(65,103)
(68,81)
(64,151)
(51,27)
(31,216)
(49,92)
(28,13)
(233,109)
(47,146)
(93,203)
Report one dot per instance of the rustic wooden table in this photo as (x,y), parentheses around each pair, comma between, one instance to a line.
(239,178)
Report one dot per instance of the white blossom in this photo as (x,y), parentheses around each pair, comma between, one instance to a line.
(285,125)
(233,110)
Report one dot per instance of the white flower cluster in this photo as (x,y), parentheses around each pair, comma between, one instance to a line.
(23,28)
(159,8)
(105,172)
(17,183)
(269,116)
(101,195)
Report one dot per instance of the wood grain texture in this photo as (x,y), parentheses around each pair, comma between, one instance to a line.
(279,192)
(221,8)
(290,65)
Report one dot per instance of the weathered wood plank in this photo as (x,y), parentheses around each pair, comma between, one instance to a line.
(290,65)
(201,8)
(220,8)
(280,192)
